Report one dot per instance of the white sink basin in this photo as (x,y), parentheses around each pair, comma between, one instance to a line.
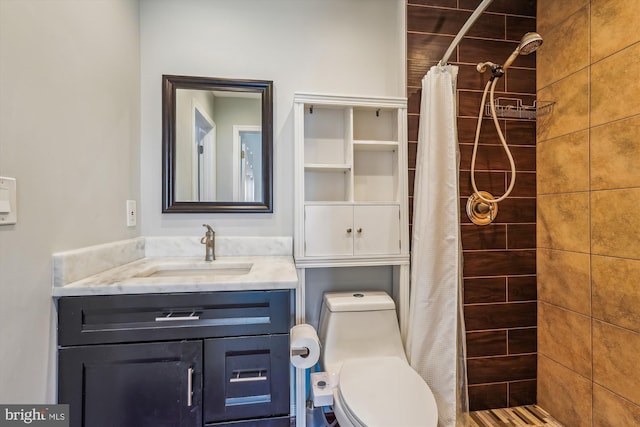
(196,269)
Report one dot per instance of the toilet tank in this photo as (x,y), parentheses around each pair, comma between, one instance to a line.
(358,325)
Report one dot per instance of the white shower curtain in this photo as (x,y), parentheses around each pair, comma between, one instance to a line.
(435,337)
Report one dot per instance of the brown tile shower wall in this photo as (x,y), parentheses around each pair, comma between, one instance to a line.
(499,259)
(588,223)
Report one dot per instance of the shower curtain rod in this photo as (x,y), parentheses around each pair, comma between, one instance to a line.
(472,19)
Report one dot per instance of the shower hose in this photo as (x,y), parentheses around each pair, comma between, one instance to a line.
(491,84)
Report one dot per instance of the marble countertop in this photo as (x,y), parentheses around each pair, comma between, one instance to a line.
(138,267)
(264,272)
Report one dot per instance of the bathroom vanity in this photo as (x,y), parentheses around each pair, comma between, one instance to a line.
(173,341)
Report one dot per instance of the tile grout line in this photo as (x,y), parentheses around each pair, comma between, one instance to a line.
(590,219)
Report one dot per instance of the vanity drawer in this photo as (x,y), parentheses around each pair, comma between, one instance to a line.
(136,318)
(246,377)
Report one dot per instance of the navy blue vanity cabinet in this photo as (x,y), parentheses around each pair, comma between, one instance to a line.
(214,359)
(147,384)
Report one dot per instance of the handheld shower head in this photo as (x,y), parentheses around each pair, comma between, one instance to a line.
(482,206)
(528,44)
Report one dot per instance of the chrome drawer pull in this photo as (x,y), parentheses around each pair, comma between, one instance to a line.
(171,318)
(190,387)
(248,376)
(247,379)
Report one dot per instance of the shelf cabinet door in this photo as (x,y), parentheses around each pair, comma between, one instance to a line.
(376,230)
(132,385)
(328,230)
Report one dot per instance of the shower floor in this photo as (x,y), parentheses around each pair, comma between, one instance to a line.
(520,416)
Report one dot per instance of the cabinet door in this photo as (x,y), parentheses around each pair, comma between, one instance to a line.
(328,230)
(246,377)
(376,230)
(136,385)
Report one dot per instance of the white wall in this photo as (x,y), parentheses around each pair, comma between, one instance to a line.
(80,81)
(326,46)
(69,133)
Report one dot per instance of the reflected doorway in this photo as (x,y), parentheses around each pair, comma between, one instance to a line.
(247,183)
(204,160)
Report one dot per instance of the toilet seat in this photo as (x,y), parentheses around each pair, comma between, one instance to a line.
(385,392)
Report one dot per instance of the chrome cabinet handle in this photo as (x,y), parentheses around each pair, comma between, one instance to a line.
(359,230)
(190,387)
(248,376)
(349,230)
(171,318)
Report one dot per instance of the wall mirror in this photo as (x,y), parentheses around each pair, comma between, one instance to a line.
(217,143)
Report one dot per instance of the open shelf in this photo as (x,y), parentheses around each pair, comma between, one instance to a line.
(375,124)
(375,176)
(326,167)
(330,185)
(369,145)
(327,134)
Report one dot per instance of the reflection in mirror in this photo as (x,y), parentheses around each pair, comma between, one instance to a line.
(247,149)
(211,129)
(217,145)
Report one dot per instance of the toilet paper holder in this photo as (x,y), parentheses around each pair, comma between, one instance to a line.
(304,346)
(300,351)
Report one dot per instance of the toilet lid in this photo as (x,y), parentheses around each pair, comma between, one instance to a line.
(383,392)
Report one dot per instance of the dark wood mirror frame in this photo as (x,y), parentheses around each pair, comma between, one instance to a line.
(169,86)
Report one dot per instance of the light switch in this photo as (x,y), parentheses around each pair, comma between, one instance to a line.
(5,205)
(8,207)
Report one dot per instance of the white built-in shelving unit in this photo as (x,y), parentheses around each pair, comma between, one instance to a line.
(351,181)
(351,203)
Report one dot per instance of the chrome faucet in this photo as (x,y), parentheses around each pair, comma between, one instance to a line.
(209,240)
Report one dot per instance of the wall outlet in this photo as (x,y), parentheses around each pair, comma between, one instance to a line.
(132,214)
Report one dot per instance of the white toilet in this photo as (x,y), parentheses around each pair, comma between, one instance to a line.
(362,349)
